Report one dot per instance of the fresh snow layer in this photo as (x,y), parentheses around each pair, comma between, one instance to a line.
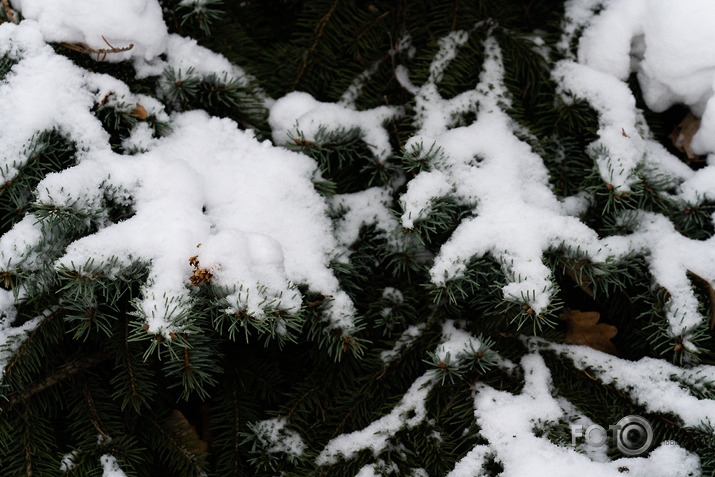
(361,209)
(263,227)
(137,22)
(647,38)
(509,423)
(276,438)
(411,410)
(299,115)
(12,337)
(656,385)
(517,216)
(636,36)
(209,183)
(405,340)
(110,466)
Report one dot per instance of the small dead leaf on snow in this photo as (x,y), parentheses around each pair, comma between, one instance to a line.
(583,328)
(139,112)
(683,134)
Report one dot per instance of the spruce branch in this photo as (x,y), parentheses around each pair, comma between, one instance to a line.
(711,296)
(93,414)
(66,371)
(319,29)
(29,341)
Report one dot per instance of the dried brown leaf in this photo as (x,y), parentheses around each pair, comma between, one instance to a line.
(683,134)
(583,328)
(187,434)
(139,112)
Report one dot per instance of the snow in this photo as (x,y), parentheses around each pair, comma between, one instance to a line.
(486,163)
(190,60)
(257,247)
(646,38)
(634,36)
(653,383)
(508,422)
(137,22)
(471,465)
(406,339)
(670,256)
(67,463)
(111,466)
(241,220)
(410,412)
(298,114)
(276,438)
(12,337)
(61,100)
(362,209)
(249,213)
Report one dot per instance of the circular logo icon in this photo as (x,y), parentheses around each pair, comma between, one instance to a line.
(634,435)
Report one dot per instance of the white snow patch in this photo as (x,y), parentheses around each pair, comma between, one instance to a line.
(12,337)
(361,209)
(137,22)
(517,216)
(67,463)
(208,182)
(279,439)
(657,385)
(508,423)
(670,257)
(110,466)
(405,340)
(410,412)
(300,112)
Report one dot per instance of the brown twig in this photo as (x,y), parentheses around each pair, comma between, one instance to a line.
(319,33)
(70,369)
(103,52)
(455,10)
(130,369)
(93,414)
(8,11)
(300,400)
(367,26)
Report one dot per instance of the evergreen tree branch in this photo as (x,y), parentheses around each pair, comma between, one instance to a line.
(27,343)
(70,369)
(236,439)
(93,414)
(711,296)
(27,447)
(319,33)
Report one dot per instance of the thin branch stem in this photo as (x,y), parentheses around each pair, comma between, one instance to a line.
(319,33)
(71,369)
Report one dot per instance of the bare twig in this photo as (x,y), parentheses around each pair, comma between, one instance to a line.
(103,52)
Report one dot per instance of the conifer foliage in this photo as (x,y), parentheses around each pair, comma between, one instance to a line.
(337,237)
